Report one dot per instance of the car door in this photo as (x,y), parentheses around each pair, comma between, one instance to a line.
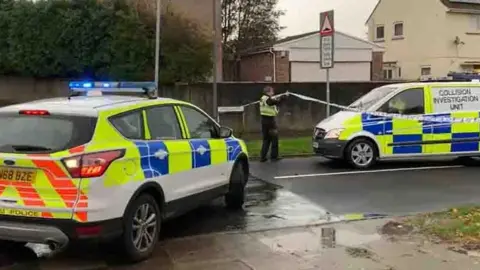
(209,151)
(406,134)
(169,153)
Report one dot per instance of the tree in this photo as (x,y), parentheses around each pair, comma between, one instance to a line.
(91,39)
(249,23)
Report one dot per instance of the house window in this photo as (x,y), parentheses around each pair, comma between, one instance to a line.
(388,74)
(398,29)
(380,32)
(475,23)
(426,71)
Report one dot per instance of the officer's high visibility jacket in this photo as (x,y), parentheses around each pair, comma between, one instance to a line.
(265,109)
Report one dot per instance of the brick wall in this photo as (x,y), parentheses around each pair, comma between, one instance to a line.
(256,67)
(377,66)
(282,67)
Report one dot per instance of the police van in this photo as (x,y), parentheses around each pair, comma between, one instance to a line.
(405,120)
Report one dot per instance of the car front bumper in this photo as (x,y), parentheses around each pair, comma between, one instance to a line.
(330,148)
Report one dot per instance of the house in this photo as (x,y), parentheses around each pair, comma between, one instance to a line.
(427,38)
(297,59)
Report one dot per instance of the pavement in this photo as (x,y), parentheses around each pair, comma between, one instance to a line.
(292,207)
(359,245)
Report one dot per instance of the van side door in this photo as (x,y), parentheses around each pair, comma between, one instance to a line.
(406,136)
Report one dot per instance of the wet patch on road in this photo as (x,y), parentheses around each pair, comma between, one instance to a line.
(267,207)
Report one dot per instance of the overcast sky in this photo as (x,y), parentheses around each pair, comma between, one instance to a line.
(303,15)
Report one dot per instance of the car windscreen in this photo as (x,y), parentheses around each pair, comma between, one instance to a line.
(49,133)
(371,98)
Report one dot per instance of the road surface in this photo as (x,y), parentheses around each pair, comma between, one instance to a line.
(394,188)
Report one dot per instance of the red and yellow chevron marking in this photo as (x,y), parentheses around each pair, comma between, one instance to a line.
(53,189)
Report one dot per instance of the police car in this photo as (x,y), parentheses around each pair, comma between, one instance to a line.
(111,167)
(405,120)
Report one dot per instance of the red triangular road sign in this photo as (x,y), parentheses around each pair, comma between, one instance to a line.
(326,26)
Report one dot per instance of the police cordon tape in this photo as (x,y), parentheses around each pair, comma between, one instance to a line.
(441,119)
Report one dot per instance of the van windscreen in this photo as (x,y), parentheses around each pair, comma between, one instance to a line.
(372,97)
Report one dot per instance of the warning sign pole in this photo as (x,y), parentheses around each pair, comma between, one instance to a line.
(327,48)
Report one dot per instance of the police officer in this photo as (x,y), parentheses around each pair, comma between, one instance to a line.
(268,112)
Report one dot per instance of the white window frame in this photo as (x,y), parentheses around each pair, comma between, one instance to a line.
(386,71)
(403,30)
(477,23)
(376,32)
(426,67)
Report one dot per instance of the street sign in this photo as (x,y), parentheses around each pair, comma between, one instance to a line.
(327,40)
(327,49)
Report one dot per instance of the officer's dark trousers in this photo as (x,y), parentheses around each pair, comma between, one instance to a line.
(270,138)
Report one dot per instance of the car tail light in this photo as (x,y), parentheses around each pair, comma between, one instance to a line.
(34,112)
(92,164)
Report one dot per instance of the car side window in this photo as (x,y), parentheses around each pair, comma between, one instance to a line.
(130,125)
(199,125)
(163,123)
(410,101)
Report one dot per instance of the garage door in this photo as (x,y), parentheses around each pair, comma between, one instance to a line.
(310,72)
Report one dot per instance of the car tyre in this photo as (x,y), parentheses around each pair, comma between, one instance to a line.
(142,223)
(361,154)
(235,198)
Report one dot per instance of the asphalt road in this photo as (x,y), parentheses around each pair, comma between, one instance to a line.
(314,191)
(393,188)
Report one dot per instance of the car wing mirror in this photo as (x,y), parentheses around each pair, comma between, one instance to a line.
(225,132)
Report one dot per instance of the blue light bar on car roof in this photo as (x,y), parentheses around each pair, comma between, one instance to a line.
(131,87)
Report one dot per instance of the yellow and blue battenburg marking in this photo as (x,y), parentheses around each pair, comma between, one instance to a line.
(201,153)
(234,149)
(155,156)
(409,136)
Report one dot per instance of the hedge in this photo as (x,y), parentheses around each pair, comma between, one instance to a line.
(101,40)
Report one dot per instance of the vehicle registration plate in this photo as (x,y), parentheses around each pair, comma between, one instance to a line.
(17,175)
(315,144)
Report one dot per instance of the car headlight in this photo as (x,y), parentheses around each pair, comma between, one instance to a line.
(334,133)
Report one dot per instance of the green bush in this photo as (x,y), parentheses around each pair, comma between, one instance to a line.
(102,41)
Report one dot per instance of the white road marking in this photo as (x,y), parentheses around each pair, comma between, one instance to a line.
(364,172)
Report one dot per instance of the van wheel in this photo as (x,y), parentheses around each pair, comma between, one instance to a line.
(361,154)
(142,222)
(467,161)
(235,198)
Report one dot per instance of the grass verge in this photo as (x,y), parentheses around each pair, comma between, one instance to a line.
(458,225)
(287,147)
